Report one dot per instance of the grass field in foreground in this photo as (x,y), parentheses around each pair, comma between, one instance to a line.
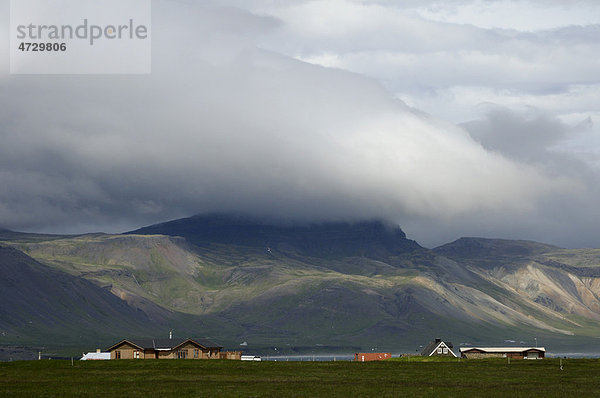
(186,378)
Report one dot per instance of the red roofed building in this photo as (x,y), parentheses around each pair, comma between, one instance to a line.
(371,356)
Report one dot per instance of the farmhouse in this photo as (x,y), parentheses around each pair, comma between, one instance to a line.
(438,347)
(503,352)
(371,356)
(169,349)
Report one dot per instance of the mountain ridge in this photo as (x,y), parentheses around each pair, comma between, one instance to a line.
(473,247)
(371,237)
(375,285)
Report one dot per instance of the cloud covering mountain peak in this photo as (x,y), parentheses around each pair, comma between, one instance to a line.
(223,125)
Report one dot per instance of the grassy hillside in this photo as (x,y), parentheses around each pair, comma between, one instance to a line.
(40,305)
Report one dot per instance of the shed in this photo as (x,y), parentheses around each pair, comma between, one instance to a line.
(371,356)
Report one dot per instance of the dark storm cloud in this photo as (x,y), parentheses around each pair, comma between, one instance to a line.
(525,136)
(533,137)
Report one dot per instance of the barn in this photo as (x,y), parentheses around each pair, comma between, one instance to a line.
(503,352)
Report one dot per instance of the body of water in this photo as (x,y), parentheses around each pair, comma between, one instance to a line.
(341,357)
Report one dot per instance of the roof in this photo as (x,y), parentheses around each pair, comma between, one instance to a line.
(503,349)
(207,343)
(431,347)
(164,344)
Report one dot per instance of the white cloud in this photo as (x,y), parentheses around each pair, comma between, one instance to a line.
(395,45)
(522,15)
(233,119)
(448,57)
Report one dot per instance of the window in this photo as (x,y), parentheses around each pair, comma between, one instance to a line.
(445,351)
(117,354)
(182,354)
(195,353)
(439,350)
(136,354)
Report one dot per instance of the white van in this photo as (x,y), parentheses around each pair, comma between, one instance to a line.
(250,358)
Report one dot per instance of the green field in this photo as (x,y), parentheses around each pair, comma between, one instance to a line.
(50,378)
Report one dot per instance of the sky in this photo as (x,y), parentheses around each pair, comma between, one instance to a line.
(451,118)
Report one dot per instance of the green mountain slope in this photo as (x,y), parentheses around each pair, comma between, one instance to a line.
(335,286)
(40,304)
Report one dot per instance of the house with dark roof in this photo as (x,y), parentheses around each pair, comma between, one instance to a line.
(166,349)
(503,352)
(438,347)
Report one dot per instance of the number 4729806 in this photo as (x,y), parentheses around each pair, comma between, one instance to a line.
(43,46)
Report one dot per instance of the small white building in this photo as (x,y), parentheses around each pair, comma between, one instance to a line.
(96,356)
